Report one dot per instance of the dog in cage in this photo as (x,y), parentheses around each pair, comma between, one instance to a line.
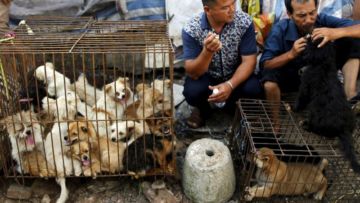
(160,123)
(25,134)
(89,157)
(322,95)
(111,106)
(56,83)
(64,108)
(131,130)
(151,101)
(275,177)
(32,93)
(109,153)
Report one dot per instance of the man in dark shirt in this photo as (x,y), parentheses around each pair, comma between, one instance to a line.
(281,59)
(220,53)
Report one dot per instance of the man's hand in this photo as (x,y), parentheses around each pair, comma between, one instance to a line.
(328,34)
(298,47)
(212,43)
(6,2)
(224,92)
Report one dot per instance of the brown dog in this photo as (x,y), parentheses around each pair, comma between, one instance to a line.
(80,130)
(34,163)
(88,157)
(276,177)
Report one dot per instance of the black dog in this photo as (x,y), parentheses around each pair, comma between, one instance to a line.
(321,93)
(32,93)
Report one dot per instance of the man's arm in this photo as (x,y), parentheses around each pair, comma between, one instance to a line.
(356,10)
(331,34)
(242,73)
(283,59)
(198,66)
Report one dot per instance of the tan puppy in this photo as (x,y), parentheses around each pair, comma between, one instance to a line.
(151,101)
(34,163)
(90,162)
(276,177)
(109,153)
(80,130)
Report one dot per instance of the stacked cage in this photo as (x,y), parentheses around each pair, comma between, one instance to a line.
(82,97)
(285,162)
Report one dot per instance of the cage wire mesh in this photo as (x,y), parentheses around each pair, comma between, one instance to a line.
(85,97)
(254,129)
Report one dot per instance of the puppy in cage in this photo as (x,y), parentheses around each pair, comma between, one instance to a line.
(160,123)
(32,93)
(275,177)
(87,92)
(25,134)
(131,130)
(151,101)
(321,93)
(80,130)
(108,152)
(56,83)
(111,105)
(84,152)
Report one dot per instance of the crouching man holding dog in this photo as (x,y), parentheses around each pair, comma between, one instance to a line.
(282,62)
(220,53)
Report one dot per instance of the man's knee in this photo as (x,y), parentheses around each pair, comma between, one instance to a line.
(195,92)
(271,87)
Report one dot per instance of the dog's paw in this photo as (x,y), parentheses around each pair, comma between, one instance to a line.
(287,107)
(87,172)
(318,195)
(249,194)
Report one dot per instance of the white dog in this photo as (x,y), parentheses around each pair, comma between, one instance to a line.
(165,88)
(56,83)
(25,134)
(87,92)
(64,109)
(111,105)
(128,129)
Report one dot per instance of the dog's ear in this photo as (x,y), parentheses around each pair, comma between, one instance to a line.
(130,130)
(167,83)
(107,88)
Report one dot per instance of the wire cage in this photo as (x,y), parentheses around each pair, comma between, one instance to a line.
(81,97)
(303,153)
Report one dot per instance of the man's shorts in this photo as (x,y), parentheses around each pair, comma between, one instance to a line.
(346,48)
(287,78)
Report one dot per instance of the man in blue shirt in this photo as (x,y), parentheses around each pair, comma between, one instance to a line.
(281,59)
(220,53)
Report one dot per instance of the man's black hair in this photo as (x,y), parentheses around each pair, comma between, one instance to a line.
(290,9)
(209,2)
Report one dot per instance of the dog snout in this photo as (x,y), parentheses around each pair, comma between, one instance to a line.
(85,157)
(113,139)
(66,138)
(28,132)
(165,129)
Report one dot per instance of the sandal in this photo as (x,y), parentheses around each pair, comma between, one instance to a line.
(195,120)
